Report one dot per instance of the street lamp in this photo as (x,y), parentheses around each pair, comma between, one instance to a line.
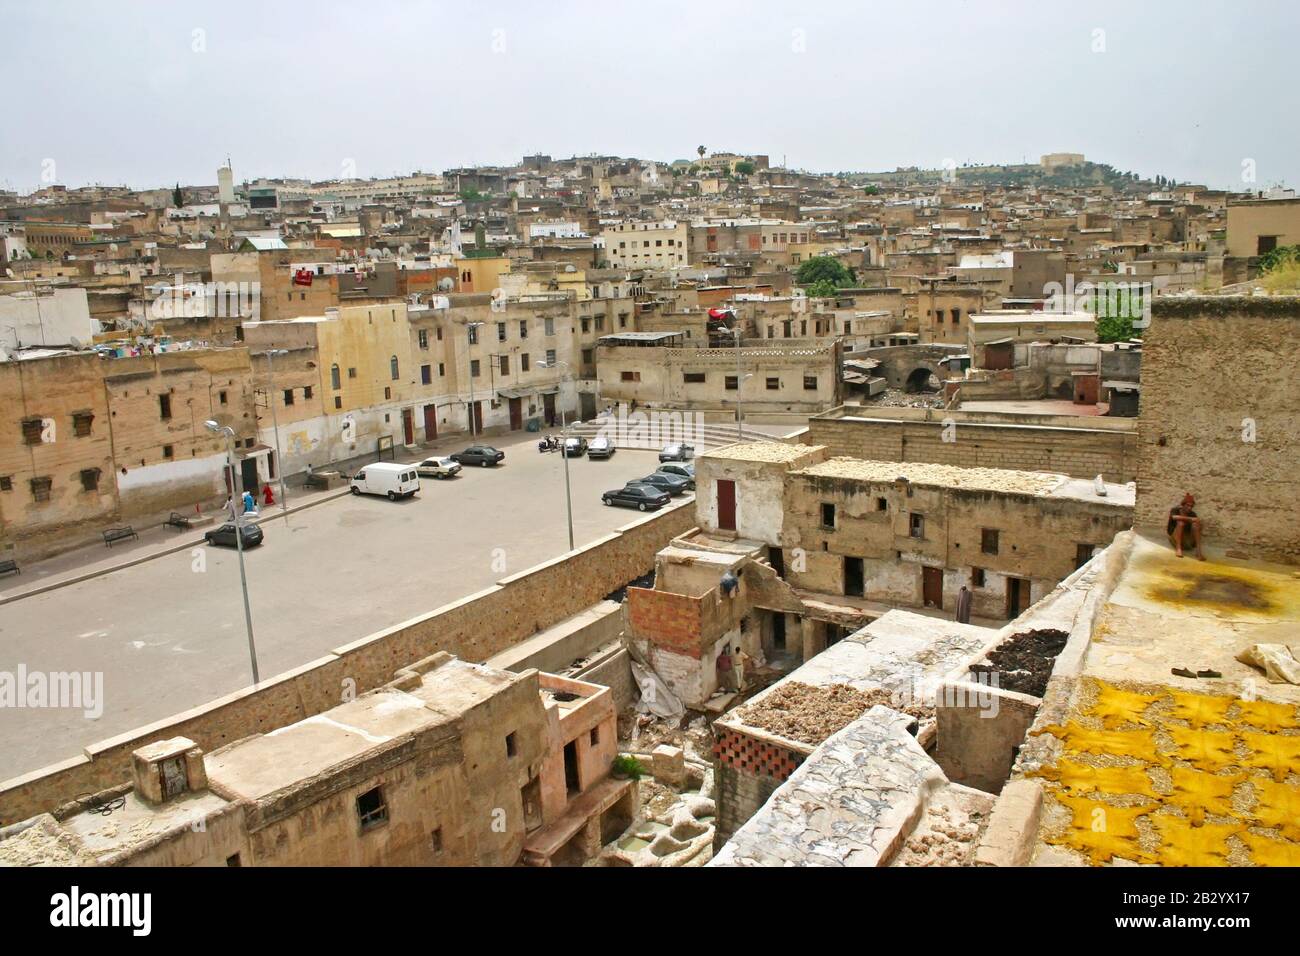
(471,328)
(564,452)
(270,400)
(740,381)
(237,509)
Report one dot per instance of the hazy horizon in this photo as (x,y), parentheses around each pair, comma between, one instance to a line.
(147,95)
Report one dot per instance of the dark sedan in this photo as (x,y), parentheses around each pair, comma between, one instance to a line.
(635,495)
(225,536)
(479,455)
(677,452)
(673,484)
(575,447)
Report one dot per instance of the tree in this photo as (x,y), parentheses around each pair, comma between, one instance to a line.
(872,190)
(820,289)
(178,197)
(700,150)
(470,194)
(745,168)
(824,268)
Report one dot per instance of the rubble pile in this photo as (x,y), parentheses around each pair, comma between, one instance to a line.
(811,714)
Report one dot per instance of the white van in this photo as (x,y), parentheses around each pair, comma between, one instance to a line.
(386,478)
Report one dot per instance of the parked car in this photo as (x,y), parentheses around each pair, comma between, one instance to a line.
(681,470)
(225,535)
(677,452)
(575,447)
(479,455)
(673,484)
(438,468)
(600,447)
(636,495)
(386,478)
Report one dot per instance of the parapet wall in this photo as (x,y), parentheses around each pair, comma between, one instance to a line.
(473,629)
(1221,419)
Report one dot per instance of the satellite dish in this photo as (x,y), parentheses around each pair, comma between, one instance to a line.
(74,342)
(446,284)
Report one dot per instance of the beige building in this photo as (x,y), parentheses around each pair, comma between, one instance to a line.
(646,245)
(1257,226)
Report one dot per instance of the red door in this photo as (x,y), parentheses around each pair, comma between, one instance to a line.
(726,505)
(430,422)
(516,414)
(408,426)
(932,587)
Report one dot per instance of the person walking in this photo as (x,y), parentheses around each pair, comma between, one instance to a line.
(963,605)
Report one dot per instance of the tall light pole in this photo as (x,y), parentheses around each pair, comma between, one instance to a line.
(564,453)
(237,508)
(270,400)
(740,381)
(470,329)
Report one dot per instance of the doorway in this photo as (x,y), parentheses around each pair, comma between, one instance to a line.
(430,422)
(854,578)
(248,474)
(932,587)
(1017,597)
(571,781)
(516,414)
(476,418)
(548,409)
(726,505)
(408,426)
(531,796)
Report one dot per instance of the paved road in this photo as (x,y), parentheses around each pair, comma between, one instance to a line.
(168,637)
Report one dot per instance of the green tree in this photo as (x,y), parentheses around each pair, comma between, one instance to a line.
(872,190)
(745,168)
(470,194)
(826,268)
(820,289)
(178,197)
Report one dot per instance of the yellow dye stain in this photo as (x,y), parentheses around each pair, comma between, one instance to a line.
(1207,750)
(1082,778)
(1115,706)
(1278,807)
(1267,716)
(1197,793)
(1201,709)
(1102,831)
(1273,752)
(1182,844)
(1130,743)
(1223,589)
(1267,852)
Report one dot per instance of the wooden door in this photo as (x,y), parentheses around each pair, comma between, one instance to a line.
(932,587)
(516,414)
(408,426)
(726,505)
(430,422)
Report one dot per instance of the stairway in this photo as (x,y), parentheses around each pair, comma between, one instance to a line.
(703,436)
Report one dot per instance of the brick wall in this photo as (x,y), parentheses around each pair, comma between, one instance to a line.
(669,620)
(748,771)
(1216,372)
(474,628)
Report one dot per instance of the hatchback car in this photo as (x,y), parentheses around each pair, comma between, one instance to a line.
(681,470)
(673,484)
(438,468)
(484,455)
(636,495)
(575,447)
(225,535)
(677,452)
(600,447)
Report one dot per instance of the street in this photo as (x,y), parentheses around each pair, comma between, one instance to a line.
(169,634)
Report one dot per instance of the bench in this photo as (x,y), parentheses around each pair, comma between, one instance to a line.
(9,566)
(118,534)
(178,521)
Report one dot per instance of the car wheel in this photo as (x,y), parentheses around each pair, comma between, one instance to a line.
(607,501)
(641,506)
(483,463)
(392,496)
(355,490)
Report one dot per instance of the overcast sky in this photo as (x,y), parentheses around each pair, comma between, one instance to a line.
(151,93)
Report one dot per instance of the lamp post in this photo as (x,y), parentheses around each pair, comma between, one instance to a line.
(564,453)
(740,381)
(270,400)
(471,328)
(237,509)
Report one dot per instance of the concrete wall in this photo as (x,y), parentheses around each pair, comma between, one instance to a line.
(474,628)
(1217,373)
(1079,447)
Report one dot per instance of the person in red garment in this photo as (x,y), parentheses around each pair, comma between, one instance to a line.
(267,496)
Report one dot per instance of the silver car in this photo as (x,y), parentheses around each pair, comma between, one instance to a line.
(438,468)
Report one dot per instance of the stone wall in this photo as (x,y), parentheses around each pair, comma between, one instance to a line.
(473,628)
(1079,447)
(749,769)
(1221,419)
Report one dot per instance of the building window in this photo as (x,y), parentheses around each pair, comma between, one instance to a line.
(503,361)
(586,325)
(388,393)
(334,378)
(338,401)
(164,407)
(956,316)
(371,809)
(90,479)
(306,391)
(512,745)
(916,525)
(473,368)
(810,383)
(288,396)
(523,328)
(426,374)
(169,451)
(442,370)
(41,489)
(773,384)
(595,736)
(523,362)
(501,331)
(630,376)
(882,504)
(828,515)
(694,378)
(731,383)
(549,326)
(352,372)
(1082,554)
(473,334)
(6,482)
(435,839)
(81,423)
(221,397)
(392,368)
(422,338)
(550,357)
(989,541)
(977,577)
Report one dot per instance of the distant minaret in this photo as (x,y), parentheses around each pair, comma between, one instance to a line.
(226,184)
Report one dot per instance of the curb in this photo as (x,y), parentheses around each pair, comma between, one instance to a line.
(173,549)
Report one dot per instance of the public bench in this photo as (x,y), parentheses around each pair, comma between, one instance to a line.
(178,521)
(118,534)
(9,566)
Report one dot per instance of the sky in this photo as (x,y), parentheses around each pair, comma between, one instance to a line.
(151,93)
